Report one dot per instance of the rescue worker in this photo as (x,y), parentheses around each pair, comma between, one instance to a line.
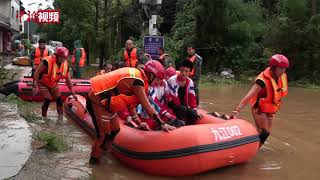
(195,74)
(164,59)
(119,64)
(78,59)
(124,114)
(38,54)
(182,95)
(158,97)
(116,91)
(132,55)
(47,76)
(266,94)
(108,67)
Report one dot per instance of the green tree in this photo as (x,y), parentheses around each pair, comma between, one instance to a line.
(227,32)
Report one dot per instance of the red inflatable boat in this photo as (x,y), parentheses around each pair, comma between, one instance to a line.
(209,144)
(23,88)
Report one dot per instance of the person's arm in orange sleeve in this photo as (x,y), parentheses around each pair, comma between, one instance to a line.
(139,91)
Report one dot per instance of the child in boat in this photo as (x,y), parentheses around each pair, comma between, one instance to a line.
(170,72)
(158,95)
(108,67)
(182,94)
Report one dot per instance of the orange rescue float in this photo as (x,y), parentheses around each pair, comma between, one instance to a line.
(23,88)
(210,144)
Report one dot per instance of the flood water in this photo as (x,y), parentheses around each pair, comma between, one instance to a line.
(289,153)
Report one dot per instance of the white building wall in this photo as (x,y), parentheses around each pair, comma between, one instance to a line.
(14,11)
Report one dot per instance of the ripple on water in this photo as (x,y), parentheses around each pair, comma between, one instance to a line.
(274,156)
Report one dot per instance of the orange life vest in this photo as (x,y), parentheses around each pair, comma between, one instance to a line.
(131,61)
(109,81)
(55,73)
(38,56)
(192,59)
(275,91)
(82,60)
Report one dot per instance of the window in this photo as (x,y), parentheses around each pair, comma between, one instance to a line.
(12,11)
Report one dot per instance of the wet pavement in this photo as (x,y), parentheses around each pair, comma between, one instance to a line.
(15,138)
(72,164)
(15,133)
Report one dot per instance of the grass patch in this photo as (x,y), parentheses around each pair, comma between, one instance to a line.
(215,80)
(89,71)
(12,98)
(302,84)
(209,80)
(15,99)
(30,117)
(53,141)
(25,108)
(6,75)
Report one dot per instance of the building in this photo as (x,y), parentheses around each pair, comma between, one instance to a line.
(9,23)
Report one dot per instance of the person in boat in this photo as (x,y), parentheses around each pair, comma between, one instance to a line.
(148,56)
(118,90)
(78,59)
(119,64)
(47,76)
(38,54)
(182,95)
(265,95)
(108,67)
(195,74)
(158,97)
(165,59)
(132,55)
(170,72)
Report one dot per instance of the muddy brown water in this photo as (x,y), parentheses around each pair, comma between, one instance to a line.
(290,153)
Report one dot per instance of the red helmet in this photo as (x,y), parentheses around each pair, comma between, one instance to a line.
(62,52)
(279,60)
(155,67)
(170,72)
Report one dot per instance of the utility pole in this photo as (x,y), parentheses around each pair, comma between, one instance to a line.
(29,25)
(152,9)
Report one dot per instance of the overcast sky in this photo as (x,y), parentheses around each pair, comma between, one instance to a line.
(35,4)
